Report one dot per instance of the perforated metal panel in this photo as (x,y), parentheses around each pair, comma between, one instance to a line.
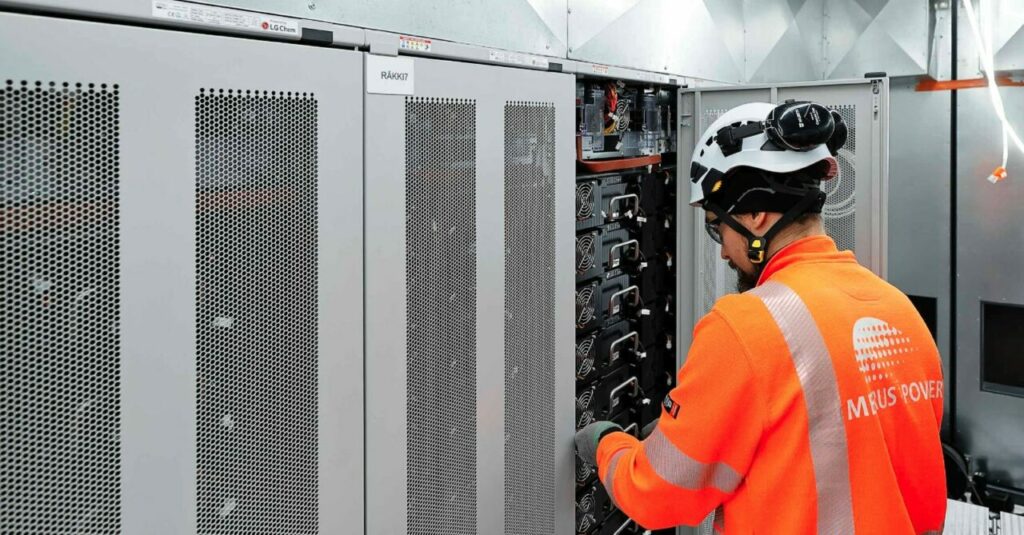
(840,205)
(256,312)
(529,317)
(441,323)
(60,356)
(718,278)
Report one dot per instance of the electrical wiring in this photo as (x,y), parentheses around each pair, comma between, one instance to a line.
(988,66)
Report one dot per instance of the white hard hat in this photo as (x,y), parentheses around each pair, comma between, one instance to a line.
(760,143)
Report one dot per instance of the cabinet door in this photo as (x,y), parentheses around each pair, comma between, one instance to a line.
(182,282)
(469,199)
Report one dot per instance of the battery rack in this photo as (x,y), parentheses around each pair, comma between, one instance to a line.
(625,271)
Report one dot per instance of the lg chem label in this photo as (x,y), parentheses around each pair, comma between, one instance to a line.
(221,17)
(389,75)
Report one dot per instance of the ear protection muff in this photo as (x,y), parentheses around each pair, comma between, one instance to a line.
(794,125)
(839,135)
(799,126)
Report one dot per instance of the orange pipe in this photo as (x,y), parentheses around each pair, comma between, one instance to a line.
(930,84)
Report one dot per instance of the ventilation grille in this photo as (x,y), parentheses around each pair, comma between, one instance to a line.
(60,282)
(839,210)
(440,271)
(256,312)
(584,409)
(586,353)
(584,471)
(586,509)
(529,317)
(586,304)
(585,252)
(586,202)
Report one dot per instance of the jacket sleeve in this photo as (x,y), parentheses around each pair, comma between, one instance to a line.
(704,441)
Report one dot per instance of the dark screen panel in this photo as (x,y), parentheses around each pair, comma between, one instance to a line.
(1002,348)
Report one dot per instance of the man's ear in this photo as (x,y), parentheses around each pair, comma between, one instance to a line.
(759,222)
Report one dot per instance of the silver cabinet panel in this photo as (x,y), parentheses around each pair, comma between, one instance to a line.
(989,222)
(239,264)
(534,26)
(449,174)
(919,260)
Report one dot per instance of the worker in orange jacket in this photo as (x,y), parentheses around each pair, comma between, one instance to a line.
(808,403)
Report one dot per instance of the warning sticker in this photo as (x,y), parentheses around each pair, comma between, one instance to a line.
(515,58)
(224,18)
(414,43)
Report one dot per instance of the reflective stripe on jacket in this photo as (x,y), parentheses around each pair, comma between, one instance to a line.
(810,404)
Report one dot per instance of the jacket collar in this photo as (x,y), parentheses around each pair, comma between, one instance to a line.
(818,248)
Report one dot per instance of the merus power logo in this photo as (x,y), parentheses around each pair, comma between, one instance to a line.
(882,351)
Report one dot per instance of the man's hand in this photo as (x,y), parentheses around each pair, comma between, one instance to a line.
(648,429)
(588,438)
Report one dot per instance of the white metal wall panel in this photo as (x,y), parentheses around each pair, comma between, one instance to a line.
(701,39)
(458,177)
(795,40)
(1003,21)
(239,271)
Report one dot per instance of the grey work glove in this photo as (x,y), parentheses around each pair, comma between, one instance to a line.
(648,429)
(588,438)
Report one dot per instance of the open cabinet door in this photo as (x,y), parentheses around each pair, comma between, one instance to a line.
(855,210)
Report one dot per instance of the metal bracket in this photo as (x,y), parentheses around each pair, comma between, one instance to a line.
(616,200)
(613,308)
(382,44)
(636,344)
(614,262)
(632,381)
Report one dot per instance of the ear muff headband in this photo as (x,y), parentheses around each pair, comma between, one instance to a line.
(796,126)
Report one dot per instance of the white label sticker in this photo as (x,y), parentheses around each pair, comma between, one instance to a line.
(599,69)
(414,43)
(389,75)
(516,58)
(225,18)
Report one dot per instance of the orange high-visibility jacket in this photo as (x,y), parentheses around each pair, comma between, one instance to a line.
(810,404)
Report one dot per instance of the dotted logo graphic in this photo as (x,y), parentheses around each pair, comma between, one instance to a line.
(879,348)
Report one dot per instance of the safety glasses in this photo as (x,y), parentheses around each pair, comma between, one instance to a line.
(714,229)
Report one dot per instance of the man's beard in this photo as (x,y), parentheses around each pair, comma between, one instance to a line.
(744,281)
